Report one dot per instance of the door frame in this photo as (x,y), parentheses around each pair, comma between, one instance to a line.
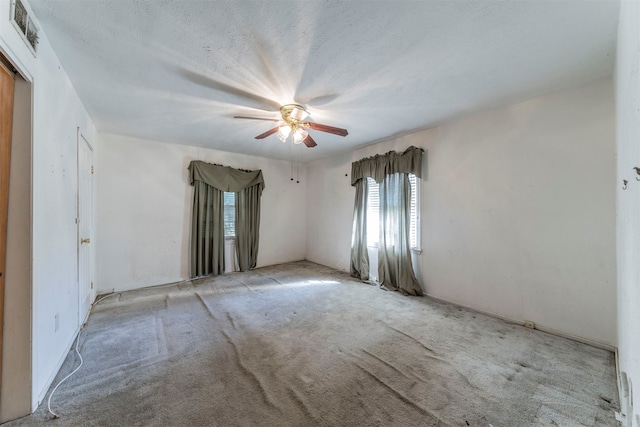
(81,139)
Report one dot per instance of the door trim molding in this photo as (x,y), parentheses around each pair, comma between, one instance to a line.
(81,139)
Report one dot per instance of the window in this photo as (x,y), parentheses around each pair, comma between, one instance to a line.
(414,235)
(373,213)
(229,214)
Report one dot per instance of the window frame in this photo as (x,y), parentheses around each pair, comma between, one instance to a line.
(418,203)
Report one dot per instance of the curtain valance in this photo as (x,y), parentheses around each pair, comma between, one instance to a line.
(224,178)
(381,165)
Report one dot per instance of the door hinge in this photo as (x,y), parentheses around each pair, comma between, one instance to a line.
(91,169)
(91,285)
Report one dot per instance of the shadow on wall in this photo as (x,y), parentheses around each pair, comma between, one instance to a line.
(185,247)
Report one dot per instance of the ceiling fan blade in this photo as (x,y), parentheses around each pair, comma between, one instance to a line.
(317,100)
(245,97)
(267,133)
(255,118)
(309,142)
(328,129)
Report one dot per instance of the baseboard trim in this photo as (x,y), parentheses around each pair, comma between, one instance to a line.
(545,329)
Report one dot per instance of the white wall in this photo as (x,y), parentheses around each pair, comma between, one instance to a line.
(57,113)
(628,203)
(518,214)
(144,210)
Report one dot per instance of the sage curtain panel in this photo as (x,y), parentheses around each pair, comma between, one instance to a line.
(247,226)
(207,231)
(390,170)
(395,268)
(359,254)
(210,182)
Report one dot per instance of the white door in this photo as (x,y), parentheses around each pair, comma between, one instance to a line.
(85,217)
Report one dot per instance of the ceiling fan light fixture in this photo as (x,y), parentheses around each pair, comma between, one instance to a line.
(299,135)
(283,132)
(299,114)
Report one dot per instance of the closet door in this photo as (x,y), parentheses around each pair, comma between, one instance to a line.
(6,124)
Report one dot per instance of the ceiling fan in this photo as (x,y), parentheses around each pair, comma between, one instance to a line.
(292,123)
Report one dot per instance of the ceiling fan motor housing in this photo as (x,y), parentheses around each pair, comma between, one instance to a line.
(293,114)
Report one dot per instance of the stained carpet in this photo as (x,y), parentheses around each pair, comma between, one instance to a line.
(304,345)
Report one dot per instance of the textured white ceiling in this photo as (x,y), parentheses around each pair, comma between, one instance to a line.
(178,71)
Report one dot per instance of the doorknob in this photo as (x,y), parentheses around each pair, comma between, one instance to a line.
(85,240)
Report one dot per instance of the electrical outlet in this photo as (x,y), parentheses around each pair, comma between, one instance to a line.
(529,324)
(57,321)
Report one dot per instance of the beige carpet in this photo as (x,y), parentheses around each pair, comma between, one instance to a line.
(303,345)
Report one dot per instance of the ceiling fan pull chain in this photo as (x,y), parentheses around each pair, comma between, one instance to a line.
(291,161)
(297,165)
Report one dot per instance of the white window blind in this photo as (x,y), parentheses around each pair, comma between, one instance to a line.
(373,213)
(229,214)
(414,216)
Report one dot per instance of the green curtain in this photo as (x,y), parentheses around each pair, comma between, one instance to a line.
(395,268)
(210,181)
(207,231)
(359,253)
(247,226)
(390,170)
(381,165)
(224,178)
